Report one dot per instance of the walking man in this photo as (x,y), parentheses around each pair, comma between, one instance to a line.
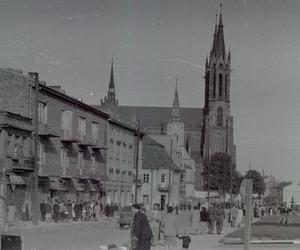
(220,216)
(140,232)
(154,218)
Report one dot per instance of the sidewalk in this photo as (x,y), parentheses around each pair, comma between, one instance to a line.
(27,225)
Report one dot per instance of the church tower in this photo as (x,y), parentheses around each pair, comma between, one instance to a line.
(175,125)
(217,120)
(110,99)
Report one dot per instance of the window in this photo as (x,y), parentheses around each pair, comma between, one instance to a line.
(214,86)
(64,159)
(129,173)
(226,85)
(66,120)
(220,85)
(146,178)
(220,116)
(93,164)
(43,110)
(95,131)
(111,170)
(111,149)
(81,125)
(182,177)
(145,199)
(118,151)
(117,171)
(42,155)
(163,178)
(80,162)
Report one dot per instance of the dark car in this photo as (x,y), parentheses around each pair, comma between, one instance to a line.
(126,215)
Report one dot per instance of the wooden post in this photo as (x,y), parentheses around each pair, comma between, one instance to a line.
(137,164)
(247,230)
(35,206)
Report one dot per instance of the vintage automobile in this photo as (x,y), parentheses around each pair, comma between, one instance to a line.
(125,217)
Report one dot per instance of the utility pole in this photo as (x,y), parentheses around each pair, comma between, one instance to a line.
(208,155)
(137,163)
(171,152)
(35,211)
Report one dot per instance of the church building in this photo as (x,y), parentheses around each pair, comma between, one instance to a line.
(202,131)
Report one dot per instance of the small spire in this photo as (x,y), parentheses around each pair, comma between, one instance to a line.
(175,107)
(220,19)
(111,81)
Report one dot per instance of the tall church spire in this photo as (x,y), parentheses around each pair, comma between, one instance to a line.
(218,49)
(175,107)
(110,99)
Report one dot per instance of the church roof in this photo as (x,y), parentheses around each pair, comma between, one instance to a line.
(153,117)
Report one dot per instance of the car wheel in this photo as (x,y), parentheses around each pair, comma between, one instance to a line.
(121,225)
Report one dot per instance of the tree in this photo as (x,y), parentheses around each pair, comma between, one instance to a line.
(218,172)
(258,181)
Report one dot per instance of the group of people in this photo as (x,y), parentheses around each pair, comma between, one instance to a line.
(70,211)
(148,227)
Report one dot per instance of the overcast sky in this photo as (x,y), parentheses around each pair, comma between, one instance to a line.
(71,42)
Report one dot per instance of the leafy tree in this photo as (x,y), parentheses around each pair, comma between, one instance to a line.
(217,172)
(258,181)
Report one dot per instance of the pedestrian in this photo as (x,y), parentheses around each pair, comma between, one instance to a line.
(233,214)
(212,218)
(220,216)
(97,211)
(73,206)
(186,240)
(140,231)
(170,229)
(48,211)
(154,218)
(56,211)
(195,219)
(43,209)
(203,220)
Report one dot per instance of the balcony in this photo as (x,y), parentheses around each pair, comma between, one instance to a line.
(84,141)
(22,164)
(162,188)
(67,136)
(45,131)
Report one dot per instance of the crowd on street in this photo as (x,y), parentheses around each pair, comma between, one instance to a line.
(67,211)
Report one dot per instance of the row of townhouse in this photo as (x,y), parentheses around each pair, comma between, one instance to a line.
(83,154)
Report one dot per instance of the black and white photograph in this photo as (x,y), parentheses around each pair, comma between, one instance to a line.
(149,124)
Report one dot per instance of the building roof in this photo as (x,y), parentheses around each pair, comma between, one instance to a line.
(154,117)
(155,156)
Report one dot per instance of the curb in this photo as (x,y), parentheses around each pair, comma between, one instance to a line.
(238,241)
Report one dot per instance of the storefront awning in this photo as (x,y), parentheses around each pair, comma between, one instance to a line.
(93,186)
(56,184)
(79,186)
(18,179)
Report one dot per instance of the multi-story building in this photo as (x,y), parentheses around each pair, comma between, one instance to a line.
(160,175)
(120,162)
(16,163)
(72,139)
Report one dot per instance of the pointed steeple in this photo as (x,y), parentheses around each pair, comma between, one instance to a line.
(220,37)
(175,107)
(111,81)
(218,48)
(110,99)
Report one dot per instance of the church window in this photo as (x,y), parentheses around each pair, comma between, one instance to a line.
(220,117)
(214,86)
(220,85)
(226,85)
